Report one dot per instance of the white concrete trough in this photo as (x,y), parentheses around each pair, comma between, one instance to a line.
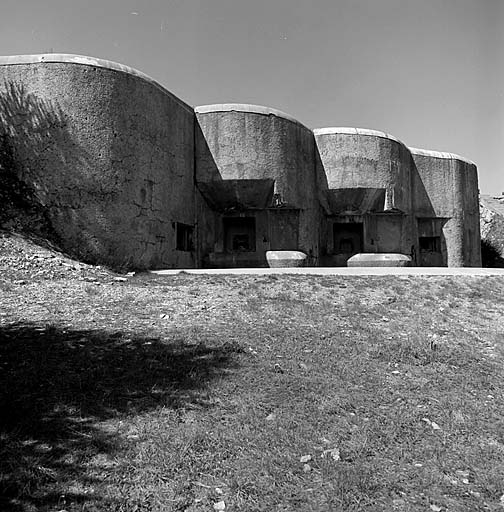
(379,260)
(285,259)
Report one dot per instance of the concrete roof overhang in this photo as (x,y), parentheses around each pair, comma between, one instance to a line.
(247,108)
(440,155)
(347,130)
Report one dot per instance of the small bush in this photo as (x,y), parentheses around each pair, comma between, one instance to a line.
(490,255)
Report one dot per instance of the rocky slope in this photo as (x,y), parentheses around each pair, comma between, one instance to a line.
(492,230)
(23,259)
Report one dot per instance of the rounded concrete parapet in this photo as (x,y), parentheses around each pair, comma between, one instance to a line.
(344,130)
(65,58)
(247,108)
(285,259)
(440,154)
(379,260)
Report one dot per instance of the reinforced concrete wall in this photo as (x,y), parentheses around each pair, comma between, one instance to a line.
(446,187)
(256,161)
(115,169)
(107,153)
(378,165)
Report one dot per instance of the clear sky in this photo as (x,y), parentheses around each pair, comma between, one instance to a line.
(430,72)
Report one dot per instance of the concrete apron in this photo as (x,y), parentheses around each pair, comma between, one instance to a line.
(341,271)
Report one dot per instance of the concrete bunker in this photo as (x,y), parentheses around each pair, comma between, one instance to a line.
(106,156)
(368,207)
(255,170)
(128,175)
(445,194)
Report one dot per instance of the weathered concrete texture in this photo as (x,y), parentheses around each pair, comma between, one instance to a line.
(366,159)
(379,166)
(445,186)
(238,145)
(109,155)
(262,160)
(492,229)
(411,201)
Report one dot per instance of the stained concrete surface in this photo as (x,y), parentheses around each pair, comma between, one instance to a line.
(270,153)
(106,155)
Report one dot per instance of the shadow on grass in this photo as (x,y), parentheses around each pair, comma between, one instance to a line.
(56,384)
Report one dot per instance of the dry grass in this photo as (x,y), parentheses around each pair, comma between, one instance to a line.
(177,393)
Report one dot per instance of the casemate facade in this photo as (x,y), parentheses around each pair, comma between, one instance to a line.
(129,175)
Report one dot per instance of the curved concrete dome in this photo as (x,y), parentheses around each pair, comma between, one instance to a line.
(67,58)
(105,151)
(241,141)
(358,158)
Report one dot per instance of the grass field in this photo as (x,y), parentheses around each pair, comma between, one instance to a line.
(252,393)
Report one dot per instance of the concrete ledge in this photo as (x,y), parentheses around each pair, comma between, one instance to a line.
(440,154)
(346,130)
(379,260)
(247,108)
